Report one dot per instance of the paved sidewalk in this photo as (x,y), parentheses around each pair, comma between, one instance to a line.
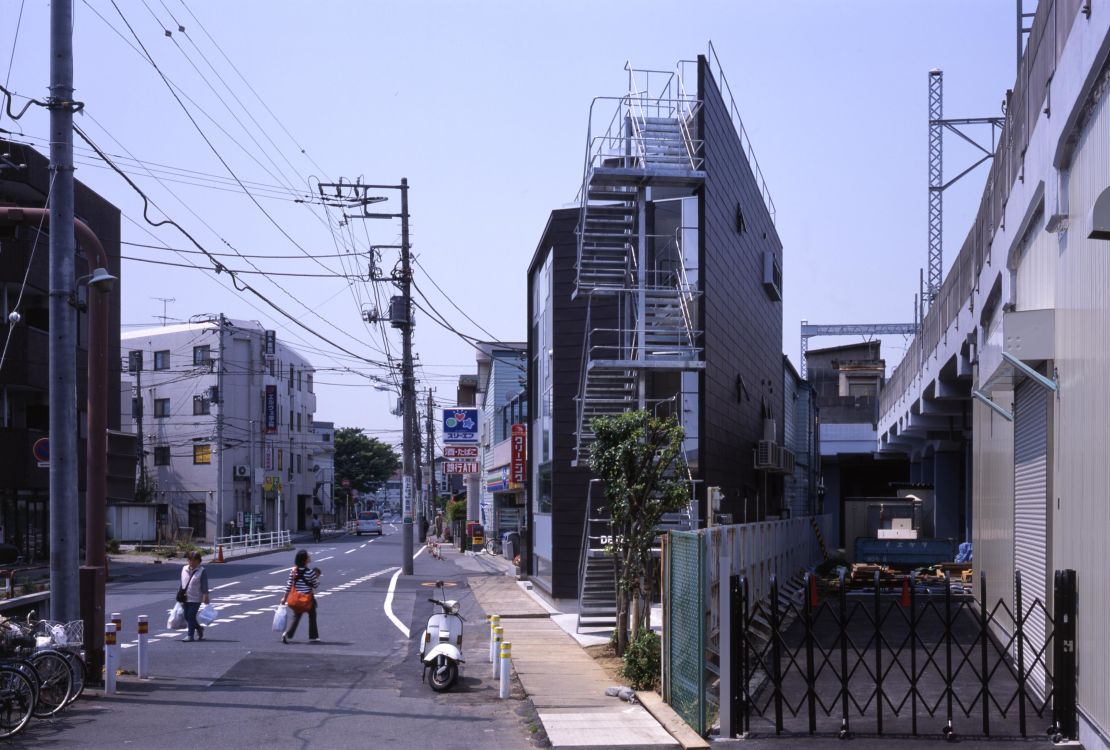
(564,683)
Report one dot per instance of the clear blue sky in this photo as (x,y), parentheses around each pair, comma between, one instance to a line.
(483,106)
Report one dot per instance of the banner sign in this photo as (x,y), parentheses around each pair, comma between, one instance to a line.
(460,467)
(271,409)
(268,456)
(519,446)
(460,426)
(406,498)
(271,343)
(460,451)
(498,482)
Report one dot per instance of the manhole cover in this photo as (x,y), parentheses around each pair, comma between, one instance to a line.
(446,584)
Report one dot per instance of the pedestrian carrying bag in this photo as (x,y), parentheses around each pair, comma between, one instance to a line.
(206,615)
(298,601)
(181,595)
(281,618)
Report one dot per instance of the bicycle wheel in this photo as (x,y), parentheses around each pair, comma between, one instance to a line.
(77,666)
(17,700)
(55,682)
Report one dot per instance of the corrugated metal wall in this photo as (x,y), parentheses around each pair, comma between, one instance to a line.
(1081,523)
(1035,282)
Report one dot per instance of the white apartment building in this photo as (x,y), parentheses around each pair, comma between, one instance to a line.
(225,415)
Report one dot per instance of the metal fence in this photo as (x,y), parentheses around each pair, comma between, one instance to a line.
(244,543)
(684,629)
(908,661)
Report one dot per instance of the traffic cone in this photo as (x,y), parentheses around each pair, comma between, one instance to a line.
(906,591)
(220,553)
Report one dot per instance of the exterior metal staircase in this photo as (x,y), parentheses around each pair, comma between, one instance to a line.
(647,145)
(597,568)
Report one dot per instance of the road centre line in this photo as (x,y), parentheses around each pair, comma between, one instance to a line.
(354,549)
(223,586)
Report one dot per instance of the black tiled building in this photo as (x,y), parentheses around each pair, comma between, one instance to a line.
(24,412)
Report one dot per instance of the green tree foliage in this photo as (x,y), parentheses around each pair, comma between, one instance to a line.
(640,459)
(365,462)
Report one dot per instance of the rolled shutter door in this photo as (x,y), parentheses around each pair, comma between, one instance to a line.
(1031,521)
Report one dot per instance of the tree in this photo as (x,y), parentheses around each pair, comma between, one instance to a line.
(363,461)
(640,459)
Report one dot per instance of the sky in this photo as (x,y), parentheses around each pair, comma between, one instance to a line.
(483,107)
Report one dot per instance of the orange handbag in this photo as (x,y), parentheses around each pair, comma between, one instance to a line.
(298,601)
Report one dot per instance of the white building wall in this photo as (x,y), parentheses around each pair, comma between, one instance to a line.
(245,373)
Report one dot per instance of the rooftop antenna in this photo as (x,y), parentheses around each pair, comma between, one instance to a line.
(165,302)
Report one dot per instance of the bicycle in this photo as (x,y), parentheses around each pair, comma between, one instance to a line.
(52,669)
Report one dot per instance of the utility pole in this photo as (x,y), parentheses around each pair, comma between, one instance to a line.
(350,195)
(64,540)
(135,365)
(431,452)
(218,401)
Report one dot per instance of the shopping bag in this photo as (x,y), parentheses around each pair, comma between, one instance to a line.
(176,620)
(206,614)
(281,618)
(298,601)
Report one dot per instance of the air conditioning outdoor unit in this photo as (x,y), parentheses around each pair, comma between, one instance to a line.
(786,461)
(241,471)
(765,455)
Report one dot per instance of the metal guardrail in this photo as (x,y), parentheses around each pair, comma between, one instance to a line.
(254,542)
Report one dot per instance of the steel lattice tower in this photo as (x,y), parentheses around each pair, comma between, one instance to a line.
(936,186)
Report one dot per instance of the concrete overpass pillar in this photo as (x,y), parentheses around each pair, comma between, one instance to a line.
(915,470)
(948,484)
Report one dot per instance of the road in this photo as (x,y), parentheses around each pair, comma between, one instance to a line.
(359,687)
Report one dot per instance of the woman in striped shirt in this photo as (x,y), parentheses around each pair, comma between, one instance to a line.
(305,581)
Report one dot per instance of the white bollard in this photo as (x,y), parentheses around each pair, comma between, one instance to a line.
(506,658)
(144,664)
(109,658)
(494,621)
(117,620)
(498,633)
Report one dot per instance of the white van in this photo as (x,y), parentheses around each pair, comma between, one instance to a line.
(370,522)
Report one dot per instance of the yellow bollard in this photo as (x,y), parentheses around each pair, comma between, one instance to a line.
(506,658)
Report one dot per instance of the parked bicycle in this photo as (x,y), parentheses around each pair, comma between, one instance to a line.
(42,670)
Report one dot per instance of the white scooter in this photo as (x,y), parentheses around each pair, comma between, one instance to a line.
(441,644)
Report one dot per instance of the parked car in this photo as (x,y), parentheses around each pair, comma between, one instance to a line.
(369,522)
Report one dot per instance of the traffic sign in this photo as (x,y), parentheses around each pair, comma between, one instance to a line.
(41,451)
(460,451)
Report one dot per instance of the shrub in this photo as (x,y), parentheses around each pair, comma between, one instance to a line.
(642,661)
(456,510)
(113,546)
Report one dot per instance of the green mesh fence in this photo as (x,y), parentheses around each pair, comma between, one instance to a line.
(686,585)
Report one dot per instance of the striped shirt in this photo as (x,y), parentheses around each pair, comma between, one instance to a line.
(304,579)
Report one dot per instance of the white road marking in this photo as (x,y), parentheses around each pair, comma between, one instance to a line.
(279,570)
(239,617)
(321,559)
(362,545)
(389,605)
(224,586)
(353,549)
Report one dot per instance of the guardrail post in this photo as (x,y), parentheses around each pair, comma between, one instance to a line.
(878,603)
(811,679)
(1064,611)
(506,658)
(110,659)
(983,625)
(494,623)
(143,653)
(845,726)
(776,657)
(1019,624)
(498,634)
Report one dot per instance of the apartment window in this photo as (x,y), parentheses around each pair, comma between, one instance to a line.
(202,453)
(202,355)
(290,420)
(200,405)
(161,455)
(298,463)
(327,437)
(161,408)
(298,422)
(300,379)
(162,360)
(309,378)
(290,381)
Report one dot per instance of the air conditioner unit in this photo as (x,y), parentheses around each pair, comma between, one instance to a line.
(241,471)
(786,461)
(765,455)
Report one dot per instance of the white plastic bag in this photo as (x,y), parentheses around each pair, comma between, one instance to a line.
(206,614)
(281,618)
(176,620)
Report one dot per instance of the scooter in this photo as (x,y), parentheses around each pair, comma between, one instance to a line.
(441,644)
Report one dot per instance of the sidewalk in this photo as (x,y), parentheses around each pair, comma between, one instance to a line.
(564,683)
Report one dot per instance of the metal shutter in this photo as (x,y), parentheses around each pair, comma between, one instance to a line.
(1031,520)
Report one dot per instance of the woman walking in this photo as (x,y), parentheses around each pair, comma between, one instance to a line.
(303,581)
(194,584)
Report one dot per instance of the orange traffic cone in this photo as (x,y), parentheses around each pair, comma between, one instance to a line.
(220,553)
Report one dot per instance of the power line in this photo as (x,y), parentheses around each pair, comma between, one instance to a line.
(240,271)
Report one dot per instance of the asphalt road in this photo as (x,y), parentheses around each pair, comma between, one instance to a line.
(359,687)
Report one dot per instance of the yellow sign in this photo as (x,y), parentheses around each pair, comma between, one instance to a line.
(270,484)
